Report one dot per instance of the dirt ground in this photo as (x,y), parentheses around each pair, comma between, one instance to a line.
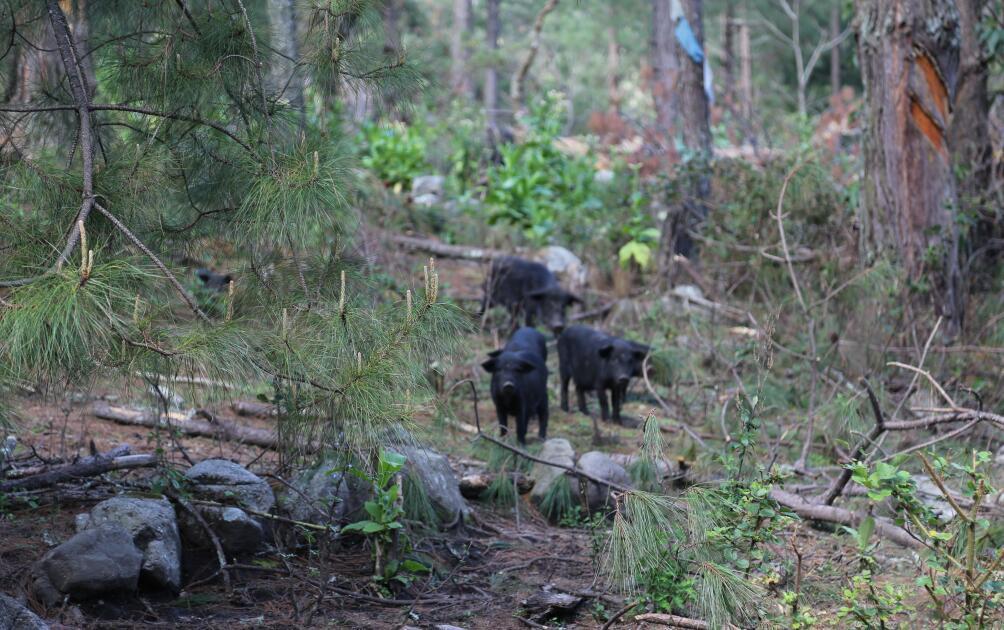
(485,571)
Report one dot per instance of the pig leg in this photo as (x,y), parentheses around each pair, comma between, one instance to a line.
(616,400)
(503,421)
(542,413)
(564,391)
(583,407)
(522,420)
(604,407)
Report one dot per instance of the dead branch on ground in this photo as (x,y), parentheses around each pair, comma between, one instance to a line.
(117,459)
(217,428)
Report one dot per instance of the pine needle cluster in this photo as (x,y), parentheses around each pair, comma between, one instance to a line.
(145,139)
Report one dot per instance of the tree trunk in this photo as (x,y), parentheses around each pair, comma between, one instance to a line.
(835,51)
(681,107)
(729,54)
(969,131)
(613,65)
(909,56)
(284,78)
(492,27)
(460,52)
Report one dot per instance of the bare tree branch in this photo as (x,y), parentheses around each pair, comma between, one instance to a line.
(189,300)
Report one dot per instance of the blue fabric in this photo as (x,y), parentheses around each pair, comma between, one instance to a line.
(685,35)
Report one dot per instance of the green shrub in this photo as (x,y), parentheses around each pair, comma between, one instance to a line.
(394,152)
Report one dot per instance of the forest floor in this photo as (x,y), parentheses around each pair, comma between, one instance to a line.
(489,573)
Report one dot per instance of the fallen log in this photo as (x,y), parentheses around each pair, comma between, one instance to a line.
(471,486)
(253,408)
(831,514)
(442,250)
(86,467)
(673,621)
(216,428)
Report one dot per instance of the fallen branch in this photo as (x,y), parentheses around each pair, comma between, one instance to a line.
(87,467)
(471,486)
(830,514)
(442,250)
(221,557)
(253,408)
(673,621)
(219,429)
(845,475)
(596,312)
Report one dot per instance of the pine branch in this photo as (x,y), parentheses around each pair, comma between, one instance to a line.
(79,91)
(189,300)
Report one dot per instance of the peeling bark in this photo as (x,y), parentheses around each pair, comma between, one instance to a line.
(909,55)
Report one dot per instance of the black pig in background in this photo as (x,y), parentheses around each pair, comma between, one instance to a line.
(527,288)
(598,362)
(519,381)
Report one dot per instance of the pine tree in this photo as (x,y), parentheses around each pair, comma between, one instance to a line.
(167,137)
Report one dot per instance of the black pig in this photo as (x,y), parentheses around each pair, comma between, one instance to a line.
(519,381)
(526,287)
(597,362)
(213,280)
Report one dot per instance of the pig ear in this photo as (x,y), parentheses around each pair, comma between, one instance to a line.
(571,298)
(640,354)
(606,350)
(524,366)
(489,365)
(494,353)
(538,294)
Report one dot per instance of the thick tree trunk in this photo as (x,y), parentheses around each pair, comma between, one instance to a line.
(284,79)
(909,56)
(681,107)
(460,52)
(492,27)
(969,131)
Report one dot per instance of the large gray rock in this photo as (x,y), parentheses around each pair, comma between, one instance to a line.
(324,494)
(428,185)
(223,481)
(566,266)
(154,530)
(226,482)
(559,451)
(433,471)
(601,466)
(95,562)
(237,531)
(14,616)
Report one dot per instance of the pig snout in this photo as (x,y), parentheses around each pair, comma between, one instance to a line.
(622,380)
(508,387)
